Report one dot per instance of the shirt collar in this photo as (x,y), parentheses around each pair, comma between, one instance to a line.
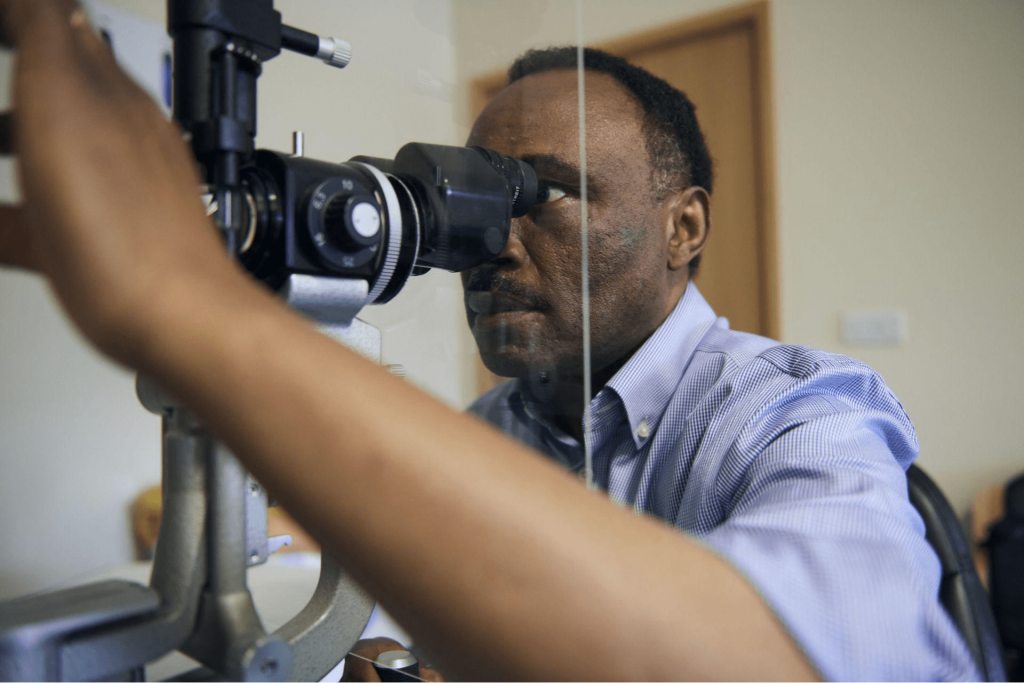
(518,402)
(648,380)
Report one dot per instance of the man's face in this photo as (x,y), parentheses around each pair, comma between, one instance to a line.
(525,307)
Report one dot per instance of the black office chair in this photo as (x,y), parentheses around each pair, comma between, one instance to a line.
(960,592)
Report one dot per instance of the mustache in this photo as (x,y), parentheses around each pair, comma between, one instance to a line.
(490,281)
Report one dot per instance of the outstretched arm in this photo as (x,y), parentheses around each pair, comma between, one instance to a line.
(519,571)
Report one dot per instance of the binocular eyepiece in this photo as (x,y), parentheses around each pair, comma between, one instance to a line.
(382,220)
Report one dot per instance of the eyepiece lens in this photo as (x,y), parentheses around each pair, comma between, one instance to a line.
(527,196)
(520,179)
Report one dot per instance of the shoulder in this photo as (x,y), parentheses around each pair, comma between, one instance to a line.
(744,353)
(753,390)
(750,362)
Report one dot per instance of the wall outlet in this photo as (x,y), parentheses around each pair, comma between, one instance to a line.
(874,328)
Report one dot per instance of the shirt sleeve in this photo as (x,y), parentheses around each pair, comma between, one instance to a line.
(820,523)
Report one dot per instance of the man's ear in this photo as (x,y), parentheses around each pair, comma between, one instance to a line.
(687,219)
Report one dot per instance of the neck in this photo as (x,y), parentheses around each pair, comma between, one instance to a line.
(568,403)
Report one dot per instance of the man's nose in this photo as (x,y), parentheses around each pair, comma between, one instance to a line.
(514,254)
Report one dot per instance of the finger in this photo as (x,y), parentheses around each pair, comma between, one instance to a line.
(18,19)
(101,57)
(15,249)
(59,41)
(372,647)
(428,674)
(58,45)
(55,35)
(357,668)
(111,111)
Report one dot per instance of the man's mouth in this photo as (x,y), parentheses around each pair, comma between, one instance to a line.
(489,303)
(489,294)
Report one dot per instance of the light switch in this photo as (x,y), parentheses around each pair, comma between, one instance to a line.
(874,328)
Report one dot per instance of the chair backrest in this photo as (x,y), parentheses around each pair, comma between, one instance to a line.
(961,592)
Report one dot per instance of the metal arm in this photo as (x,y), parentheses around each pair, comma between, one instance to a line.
(197,600)
(213,524)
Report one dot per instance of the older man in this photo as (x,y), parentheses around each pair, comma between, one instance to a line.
(789,550)
(787,461)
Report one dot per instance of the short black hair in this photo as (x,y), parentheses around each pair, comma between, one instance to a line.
(678,151)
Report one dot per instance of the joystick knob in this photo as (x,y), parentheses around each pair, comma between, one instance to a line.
(397,665)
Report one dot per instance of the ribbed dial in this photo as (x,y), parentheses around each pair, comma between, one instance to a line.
(335,226)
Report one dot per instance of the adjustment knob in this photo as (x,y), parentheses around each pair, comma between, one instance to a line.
(352,223)
(334,52)
(397,665)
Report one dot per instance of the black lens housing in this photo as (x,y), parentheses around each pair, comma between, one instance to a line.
(439,207)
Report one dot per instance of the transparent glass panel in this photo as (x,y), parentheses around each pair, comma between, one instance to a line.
(526,309)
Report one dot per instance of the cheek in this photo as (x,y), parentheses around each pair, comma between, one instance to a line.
(556,252)
(565,297)
(620,256)
(626,280)
(559,277)
(630,238)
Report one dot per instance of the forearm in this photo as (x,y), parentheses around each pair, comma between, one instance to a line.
(496,561)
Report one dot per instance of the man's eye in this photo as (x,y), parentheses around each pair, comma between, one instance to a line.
(547,193)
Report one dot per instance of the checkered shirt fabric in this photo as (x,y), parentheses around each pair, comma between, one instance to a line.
(787,461)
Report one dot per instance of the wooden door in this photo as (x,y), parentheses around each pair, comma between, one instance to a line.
(721,62)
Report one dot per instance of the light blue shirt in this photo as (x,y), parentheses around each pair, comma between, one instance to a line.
(790,463)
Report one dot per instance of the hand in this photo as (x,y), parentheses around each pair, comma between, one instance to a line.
(112,214)
(357,669)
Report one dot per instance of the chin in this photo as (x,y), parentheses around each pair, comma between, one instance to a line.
(518,346)
(505,363)
(517,362)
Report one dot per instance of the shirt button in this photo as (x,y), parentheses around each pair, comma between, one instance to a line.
(644,430)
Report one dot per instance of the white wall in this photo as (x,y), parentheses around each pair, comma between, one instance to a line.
(75,446)
(900,159)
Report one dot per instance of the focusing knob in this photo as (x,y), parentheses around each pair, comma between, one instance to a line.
(352,222)
(335,52)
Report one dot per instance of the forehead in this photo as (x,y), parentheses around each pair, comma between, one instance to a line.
(539,114)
